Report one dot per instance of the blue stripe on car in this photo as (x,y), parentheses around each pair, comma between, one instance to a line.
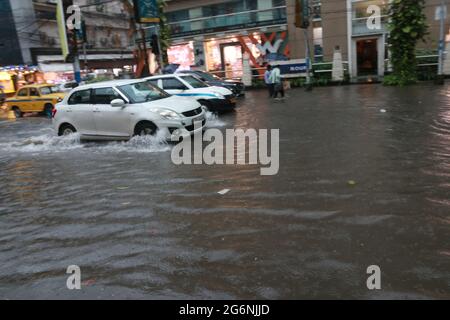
(196,94)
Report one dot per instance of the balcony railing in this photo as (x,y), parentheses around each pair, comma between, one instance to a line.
(360,26)
(241,20)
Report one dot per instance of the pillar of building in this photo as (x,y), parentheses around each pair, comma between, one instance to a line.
(338,66)
(447,59)
(247,71)
(199,53)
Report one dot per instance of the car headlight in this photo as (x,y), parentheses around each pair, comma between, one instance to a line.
(59,100)
(218,95)
(166,113)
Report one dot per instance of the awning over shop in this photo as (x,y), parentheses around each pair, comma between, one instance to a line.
(55,63)
(56,67)
(89,57)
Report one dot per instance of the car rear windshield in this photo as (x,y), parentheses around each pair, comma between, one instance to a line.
(195,82)
(141,92)
(50,90)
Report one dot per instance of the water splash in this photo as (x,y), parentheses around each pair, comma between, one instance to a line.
(43,143)
(213,121)
(50,143)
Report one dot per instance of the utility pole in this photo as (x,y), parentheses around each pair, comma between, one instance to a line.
(160,60)
(302,15)
(76,58)
(442,16)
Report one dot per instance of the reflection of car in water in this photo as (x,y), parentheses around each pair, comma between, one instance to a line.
(121,109)
(35,98)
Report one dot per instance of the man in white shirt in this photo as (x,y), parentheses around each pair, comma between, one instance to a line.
(267,80)
(275,78)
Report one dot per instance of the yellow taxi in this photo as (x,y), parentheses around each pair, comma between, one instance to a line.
(35,98)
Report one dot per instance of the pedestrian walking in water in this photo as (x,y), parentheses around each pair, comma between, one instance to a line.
(269,84)
(275,78)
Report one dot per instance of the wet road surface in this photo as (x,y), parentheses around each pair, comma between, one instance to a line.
(141,227)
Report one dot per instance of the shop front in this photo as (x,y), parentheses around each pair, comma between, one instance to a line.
(13,77)
(223,54)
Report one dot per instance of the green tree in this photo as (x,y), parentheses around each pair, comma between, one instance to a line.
(164,31)
(407,26)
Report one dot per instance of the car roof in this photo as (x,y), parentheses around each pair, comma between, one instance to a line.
(162,76)
(37,86)
(111,83)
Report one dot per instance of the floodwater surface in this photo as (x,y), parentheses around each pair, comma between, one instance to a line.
(364,180)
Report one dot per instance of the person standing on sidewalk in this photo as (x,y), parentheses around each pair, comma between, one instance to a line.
(267,80)
(275,78)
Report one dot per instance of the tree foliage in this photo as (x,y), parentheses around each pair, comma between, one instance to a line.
(407,26)
(164,31)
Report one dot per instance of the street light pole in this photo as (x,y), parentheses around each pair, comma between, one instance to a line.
(441,39)
(308,61)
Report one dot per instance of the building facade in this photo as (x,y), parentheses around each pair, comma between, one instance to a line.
(346,25)
(214,34)
(29,35)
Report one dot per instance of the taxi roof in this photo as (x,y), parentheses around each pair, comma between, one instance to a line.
(37,85)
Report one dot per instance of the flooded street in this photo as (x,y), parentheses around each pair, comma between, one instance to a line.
(357,186)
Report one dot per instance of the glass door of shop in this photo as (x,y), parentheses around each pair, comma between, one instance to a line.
(367,57)
(232,60)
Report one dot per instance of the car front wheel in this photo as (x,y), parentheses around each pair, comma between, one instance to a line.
(66,129)
(17,112)
(145,129)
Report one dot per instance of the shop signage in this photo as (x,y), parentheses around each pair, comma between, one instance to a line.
(146,11)
(292,68)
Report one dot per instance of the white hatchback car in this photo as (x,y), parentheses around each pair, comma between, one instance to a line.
(119,110)
(217,99)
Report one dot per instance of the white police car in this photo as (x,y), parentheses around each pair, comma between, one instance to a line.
(216,99)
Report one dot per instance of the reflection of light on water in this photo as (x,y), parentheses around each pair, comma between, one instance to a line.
(25,185)
(440,148)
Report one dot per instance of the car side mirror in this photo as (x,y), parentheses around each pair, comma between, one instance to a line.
(118,103)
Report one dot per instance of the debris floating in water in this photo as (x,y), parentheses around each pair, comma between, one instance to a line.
(383,111)
(351,183)
(224,192)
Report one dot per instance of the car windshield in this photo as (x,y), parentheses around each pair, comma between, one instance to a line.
(195,82)
(141,92)
(208,76)
(50,90)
